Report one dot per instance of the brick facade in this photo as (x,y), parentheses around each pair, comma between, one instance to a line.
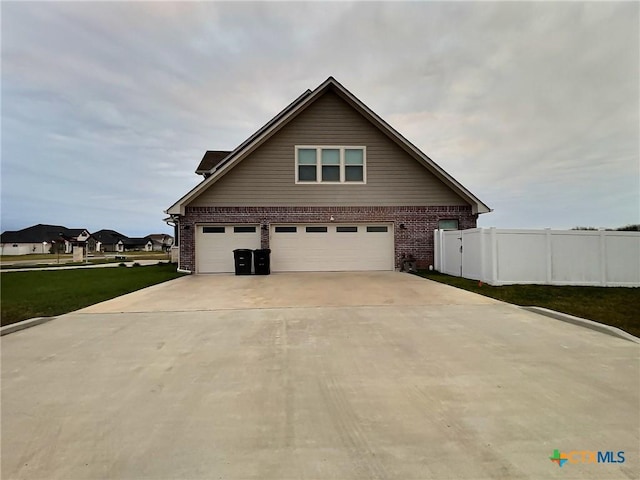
(416,239)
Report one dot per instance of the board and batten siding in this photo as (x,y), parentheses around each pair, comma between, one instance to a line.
(267,176)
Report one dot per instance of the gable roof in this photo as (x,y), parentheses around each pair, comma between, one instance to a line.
(292,111)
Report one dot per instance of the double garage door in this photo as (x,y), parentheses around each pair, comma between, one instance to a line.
(300,248)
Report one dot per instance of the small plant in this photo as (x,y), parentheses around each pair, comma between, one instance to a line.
(122,264)
(136,264)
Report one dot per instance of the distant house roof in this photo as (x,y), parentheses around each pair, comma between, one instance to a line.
(160,237)
(107,236)
(135,241)
(75,232)
(40,233)
(211,159)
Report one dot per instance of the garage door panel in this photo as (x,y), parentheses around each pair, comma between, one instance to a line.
(215,245)
(340,248)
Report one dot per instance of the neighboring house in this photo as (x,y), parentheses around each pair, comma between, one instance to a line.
(107,240)
(327,185)
(43,238)
(161,242)
(134,244)
(79,237)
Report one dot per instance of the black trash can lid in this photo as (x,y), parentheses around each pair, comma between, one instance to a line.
(242,250)
(263,250)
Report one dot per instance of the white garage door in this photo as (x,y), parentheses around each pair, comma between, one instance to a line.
(331,248)
(215,245)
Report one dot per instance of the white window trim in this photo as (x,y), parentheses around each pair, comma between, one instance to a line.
(341,148)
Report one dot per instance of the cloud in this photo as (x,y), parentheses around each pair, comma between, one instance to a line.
(532,106)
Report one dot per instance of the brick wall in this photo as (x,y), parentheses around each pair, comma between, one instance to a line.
(416,239)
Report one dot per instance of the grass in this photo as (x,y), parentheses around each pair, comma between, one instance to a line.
(25,261)
(615,306)
(34,256)
(49,293)
(97,261)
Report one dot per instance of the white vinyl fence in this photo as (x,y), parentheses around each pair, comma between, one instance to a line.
(551,257)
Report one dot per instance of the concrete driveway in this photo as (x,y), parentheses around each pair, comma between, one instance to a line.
(351,375)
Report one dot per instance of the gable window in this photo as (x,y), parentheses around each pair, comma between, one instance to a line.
(354,164)
(330,164)
(307,161)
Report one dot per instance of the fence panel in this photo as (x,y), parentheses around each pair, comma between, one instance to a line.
(472,262)
(555,257)
(521,256)
(451,258)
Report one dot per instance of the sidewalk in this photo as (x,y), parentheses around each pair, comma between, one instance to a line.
(70,267)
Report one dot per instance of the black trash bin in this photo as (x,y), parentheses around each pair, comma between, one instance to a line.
(242,257)
(262,261)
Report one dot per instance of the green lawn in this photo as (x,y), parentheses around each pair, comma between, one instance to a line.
(35,256)
(49,293)
(22,261)
(92,261)
(616,306)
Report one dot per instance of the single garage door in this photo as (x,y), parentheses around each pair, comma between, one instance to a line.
(331,248)
(215,245)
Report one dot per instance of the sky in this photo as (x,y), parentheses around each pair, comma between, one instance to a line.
(107,108)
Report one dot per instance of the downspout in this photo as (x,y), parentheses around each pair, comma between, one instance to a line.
(174,221)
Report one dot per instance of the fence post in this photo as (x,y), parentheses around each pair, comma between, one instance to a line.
(440,254)
(483,275)
(436,251)
(603,258)
(494,256)
(461,238)
(549,256)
